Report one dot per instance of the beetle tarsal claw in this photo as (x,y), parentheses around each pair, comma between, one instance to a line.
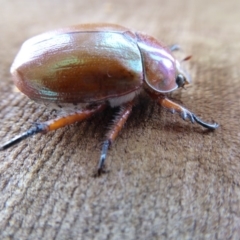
(190,116)
(187,115)
(101,166)
(184,115)
(100,171)
(211,126)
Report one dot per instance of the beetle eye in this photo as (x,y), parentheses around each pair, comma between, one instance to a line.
(180,80)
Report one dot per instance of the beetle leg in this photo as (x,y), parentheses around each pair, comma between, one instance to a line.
(54,124)
(184,113)
(118,124)
(174,47)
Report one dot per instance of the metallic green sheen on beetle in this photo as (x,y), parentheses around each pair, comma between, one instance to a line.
(92,66)
(91,63)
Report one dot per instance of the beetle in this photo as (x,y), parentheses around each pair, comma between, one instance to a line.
(82,69)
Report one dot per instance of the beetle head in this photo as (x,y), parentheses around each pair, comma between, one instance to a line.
(162,72)
(182,77)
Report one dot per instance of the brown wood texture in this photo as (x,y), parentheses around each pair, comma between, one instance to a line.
(168,179)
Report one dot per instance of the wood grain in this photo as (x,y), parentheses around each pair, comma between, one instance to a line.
(168,179)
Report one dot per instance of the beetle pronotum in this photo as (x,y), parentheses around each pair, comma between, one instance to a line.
(89,66)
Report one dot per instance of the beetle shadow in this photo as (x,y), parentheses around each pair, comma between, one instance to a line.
(146,113)
(98,125)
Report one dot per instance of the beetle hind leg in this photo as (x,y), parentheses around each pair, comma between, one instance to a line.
(38,128)
(54,124)
(113,132)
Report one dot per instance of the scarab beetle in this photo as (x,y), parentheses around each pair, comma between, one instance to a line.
(84,68)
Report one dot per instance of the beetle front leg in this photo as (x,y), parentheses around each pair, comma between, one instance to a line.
(54,124)
(184,113)
(118,124)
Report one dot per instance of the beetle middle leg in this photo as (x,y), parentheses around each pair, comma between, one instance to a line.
(116,127)
(184,113)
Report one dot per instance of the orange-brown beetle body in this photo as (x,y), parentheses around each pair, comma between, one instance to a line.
(91,66)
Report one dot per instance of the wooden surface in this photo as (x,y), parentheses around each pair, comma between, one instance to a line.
(168,179)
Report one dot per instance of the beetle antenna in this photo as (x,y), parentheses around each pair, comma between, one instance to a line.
(32,131)
(204,124)
(186,58)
